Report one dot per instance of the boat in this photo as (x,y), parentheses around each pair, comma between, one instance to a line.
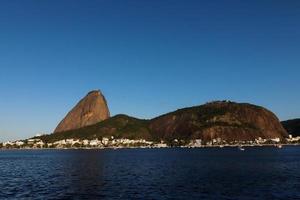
(241,148)
(279,146)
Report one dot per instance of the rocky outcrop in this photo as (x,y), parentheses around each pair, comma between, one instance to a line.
(90,110)
(226,120)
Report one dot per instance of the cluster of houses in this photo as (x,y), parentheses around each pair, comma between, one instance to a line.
(30,143)
(292,139)
(98,143)
(123,142)
(219,141)
(77,143)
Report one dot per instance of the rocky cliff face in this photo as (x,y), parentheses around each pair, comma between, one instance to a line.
(227,120)
(90,110)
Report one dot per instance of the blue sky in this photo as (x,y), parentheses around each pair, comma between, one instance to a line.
(147,57)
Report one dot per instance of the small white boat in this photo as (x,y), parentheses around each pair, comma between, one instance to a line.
(241,148)
(279,146)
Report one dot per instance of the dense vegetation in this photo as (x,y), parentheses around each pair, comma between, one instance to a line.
(190,122)
(292,126)
(119,126)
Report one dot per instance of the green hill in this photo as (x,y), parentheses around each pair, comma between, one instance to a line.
(119,126)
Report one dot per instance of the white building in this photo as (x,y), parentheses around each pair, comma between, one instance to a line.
(72,141)
(105,141)
(60,142)
(195,143)
(39,144)
(32,141)
(7,143)
(95,142)
(275,140)
(19,143)
(85,142)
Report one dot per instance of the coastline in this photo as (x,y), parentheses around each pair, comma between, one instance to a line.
(167,147)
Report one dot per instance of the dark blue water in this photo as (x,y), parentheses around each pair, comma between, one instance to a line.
(206,173)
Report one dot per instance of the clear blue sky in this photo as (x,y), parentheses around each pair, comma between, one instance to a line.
(147,57)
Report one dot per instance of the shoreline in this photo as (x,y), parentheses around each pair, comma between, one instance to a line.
(168,147)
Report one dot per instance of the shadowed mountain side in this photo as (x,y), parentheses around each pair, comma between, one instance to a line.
(292,126)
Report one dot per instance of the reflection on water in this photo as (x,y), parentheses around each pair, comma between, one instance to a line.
(207,173)
(83,172)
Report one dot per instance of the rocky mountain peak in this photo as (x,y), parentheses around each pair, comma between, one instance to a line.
(95,92)
(89,110)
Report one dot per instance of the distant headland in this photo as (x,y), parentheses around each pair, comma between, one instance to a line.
(217,123)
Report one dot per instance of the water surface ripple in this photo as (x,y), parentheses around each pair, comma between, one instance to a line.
(206,173)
